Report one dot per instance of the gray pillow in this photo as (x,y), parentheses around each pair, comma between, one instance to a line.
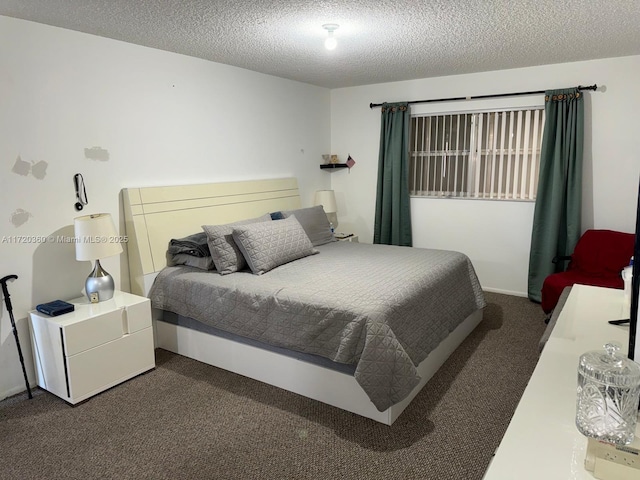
(315,223)
(268,245)
(224,251)
(204,263)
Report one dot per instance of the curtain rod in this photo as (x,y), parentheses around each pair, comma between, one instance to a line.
(496,95)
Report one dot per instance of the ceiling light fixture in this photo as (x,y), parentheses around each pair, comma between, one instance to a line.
(331,42)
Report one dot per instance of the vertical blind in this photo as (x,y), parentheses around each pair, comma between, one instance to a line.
(488,155)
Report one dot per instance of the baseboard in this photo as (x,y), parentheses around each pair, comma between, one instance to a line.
(505,292)
(14,391)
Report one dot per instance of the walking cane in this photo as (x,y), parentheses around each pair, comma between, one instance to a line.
(7,302)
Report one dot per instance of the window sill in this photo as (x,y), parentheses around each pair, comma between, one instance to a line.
(435,197)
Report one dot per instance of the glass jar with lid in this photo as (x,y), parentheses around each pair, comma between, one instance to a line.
(608,395)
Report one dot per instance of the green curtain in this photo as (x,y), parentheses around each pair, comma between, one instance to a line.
(392,224)
(556,219)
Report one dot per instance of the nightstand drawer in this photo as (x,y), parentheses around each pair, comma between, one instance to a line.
(81,336)
(110,364)
(137,316)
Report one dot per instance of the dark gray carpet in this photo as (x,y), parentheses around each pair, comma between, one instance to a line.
(187,420)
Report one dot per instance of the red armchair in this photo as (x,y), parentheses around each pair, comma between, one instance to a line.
(598,259)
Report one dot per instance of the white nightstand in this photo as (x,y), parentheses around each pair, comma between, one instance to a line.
(353,238)
(93,348)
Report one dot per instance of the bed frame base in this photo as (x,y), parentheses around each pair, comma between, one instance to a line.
(328,386)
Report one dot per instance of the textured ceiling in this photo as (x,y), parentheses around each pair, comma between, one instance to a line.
(378,40)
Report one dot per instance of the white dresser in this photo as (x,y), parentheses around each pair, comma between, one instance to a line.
(93,348)
(542,441)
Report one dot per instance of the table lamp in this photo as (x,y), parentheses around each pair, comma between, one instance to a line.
(96,238)
(327,199)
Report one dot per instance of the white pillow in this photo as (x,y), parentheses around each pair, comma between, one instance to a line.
(268,245)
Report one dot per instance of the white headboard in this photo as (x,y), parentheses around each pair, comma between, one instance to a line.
(155,215)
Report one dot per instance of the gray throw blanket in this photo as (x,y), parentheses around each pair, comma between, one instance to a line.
(195,244)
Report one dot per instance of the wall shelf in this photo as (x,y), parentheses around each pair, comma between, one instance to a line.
(333,166)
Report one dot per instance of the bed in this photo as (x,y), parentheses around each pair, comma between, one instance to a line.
(342,325)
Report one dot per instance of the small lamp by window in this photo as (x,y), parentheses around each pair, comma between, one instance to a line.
(327,199)
(96,238)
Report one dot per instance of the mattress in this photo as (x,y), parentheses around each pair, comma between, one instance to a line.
(192,324)
(380,308)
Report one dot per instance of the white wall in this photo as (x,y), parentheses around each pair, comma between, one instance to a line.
(496,235)
(163,118)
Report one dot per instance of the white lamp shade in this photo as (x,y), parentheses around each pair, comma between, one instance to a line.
(327,199)
(96,237)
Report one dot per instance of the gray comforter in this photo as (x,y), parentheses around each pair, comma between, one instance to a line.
(380,307)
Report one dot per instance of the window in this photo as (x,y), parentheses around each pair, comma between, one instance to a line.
(488,155)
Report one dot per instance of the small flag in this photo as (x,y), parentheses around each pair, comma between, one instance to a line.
(350,162)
